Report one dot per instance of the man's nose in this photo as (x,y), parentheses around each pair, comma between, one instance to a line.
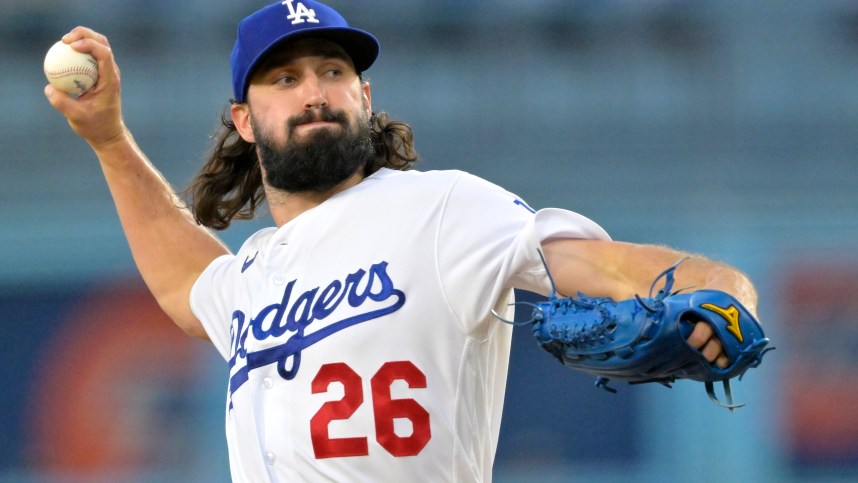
(314,95)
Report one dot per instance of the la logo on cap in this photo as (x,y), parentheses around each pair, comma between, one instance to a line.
(300,13)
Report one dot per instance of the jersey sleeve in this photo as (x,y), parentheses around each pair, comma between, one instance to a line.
(210,298)
(219,289)
(488,244)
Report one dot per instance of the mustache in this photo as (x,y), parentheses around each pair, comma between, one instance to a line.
(318,115)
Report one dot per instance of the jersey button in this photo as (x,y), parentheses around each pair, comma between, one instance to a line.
(267,383)
(278,279)
(270,457)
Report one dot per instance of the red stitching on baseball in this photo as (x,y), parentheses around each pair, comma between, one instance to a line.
(87,71)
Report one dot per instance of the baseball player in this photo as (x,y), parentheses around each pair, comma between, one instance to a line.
(358,330)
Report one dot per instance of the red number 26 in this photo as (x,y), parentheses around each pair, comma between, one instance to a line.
(385,410)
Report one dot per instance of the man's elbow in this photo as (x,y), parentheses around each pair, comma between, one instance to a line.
(178,308)
(194,329)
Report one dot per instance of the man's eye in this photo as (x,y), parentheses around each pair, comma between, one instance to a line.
(284,79)
(334,73)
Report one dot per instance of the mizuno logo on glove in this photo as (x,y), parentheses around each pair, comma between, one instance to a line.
(731,315)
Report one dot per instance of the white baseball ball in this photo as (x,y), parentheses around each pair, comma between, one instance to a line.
(69,70)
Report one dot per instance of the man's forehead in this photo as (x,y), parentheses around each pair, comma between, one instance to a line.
(310,47)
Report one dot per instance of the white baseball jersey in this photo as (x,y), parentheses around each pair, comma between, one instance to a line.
(359,336)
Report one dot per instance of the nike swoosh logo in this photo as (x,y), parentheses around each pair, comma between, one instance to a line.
(248,262)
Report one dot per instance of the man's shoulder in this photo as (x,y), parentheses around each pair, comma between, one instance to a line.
(438,177)
(256,242)
(425,184)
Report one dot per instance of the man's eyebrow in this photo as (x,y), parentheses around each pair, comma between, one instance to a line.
(285,57)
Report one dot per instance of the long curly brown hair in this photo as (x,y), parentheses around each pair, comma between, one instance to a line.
(229,185)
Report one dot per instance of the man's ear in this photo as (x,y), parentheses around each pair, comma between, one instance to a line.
(241,119)
(367,98)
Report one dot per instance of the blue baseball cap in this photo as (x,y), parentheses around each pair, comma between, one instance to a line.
(265,29)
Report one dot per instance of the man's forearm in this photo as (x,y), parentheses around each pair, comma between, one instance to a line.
(168,246)
(622,270)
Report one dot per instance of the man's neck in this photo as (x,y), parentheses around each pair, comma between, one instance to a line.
(286,206)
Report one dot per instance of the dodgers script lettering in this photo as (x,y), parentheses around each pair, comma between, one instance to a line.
(294,314)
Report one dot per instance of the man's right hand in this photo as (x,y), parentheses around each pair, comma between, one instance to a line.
(96,115)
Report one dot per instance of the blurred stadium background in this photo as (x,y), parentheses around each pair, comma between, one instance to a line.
(728,128)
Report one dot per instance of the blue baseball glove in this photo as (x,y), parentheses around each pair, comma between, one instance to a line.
(643,340)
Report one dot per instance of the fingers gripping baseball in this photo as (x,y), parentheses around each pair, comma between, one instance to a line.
(96,114)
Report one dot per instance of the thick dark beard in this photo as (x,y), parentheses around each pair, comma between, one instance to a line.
(323,159)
